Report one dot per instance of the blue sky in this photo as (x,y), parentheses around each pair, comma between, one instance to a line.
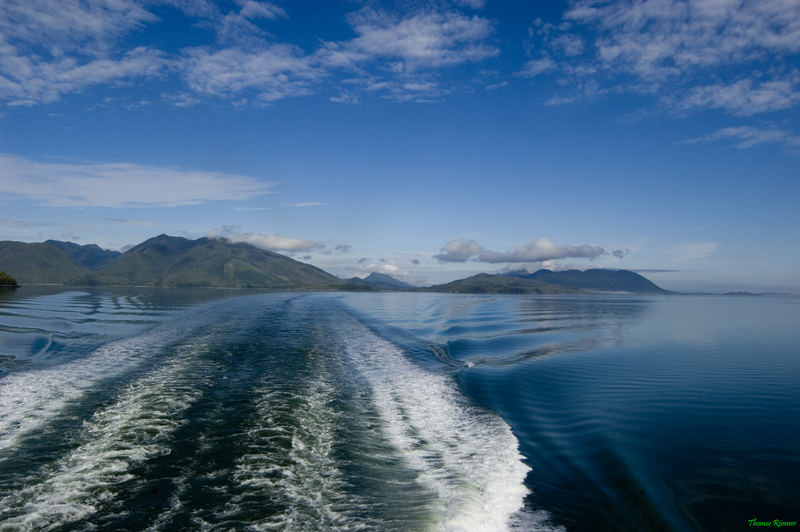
(427,140)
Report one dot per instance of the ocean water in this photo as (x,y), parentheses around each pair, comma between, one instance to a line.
(142,409)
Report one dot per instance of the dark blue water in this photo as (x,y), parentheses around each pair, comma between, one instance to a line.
(175,409)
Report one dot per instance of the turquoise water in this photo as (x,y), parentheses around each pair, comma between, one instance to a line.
(174,409)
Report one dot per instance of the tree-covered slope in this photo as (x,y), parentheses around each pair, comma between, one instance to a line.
(176,261)
(381,281)
(89,256)
(7,280)
(596,279)
(40,263)
(484,283)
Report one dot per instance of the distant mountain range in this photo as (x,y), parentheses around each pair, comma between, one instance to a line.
(594,280)
(162,261)
(381,281)
(209,262)
(89,256)
(484,283)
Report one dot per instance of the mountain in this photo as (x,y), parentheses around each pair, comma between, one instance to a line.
(594,280)
(6,280)
(484,283)
(89,256)
(40,263)
(381,281)
(175,261)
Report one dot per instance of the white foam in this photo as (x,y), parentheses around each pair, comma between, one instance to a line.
(135,428)
(466,455)
(30,398)
(307,481)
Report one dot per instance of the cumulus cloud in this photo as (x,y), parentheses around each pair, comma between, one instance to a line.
(540,250)
(458,251)
(621,253)
(273,242)
(387,269)
(120,184)
(535,251)
(343,248)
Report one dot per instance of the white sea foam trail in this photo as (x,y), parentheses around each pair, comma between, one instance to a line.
(135,428)
(466,455)
(30,398)
(295,462)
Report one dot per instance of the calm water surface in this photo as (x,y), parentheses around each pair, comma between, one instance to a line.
(177,409)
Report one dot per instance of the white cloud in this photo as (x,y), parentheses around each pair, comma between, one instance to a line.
(474,4)
(238,26)
(48,49)
(747,137)
(421,40)
(737,56)
(540,250)
(29,80)
(136,223)
(270,73)
(744,97)
(537,66)
(535,251)
(273,242)
(458,251)
(667,37)
(120,184)
(305,204)
(400,55)
(69,24)
(692,251)
(387,269)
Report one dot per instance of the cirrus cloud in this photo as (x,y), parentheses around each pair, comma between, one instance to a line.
(120,184)
(739,57)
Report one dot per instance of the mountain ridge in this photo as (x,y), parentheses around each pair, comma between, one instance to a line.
(172,261)
(594,279)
